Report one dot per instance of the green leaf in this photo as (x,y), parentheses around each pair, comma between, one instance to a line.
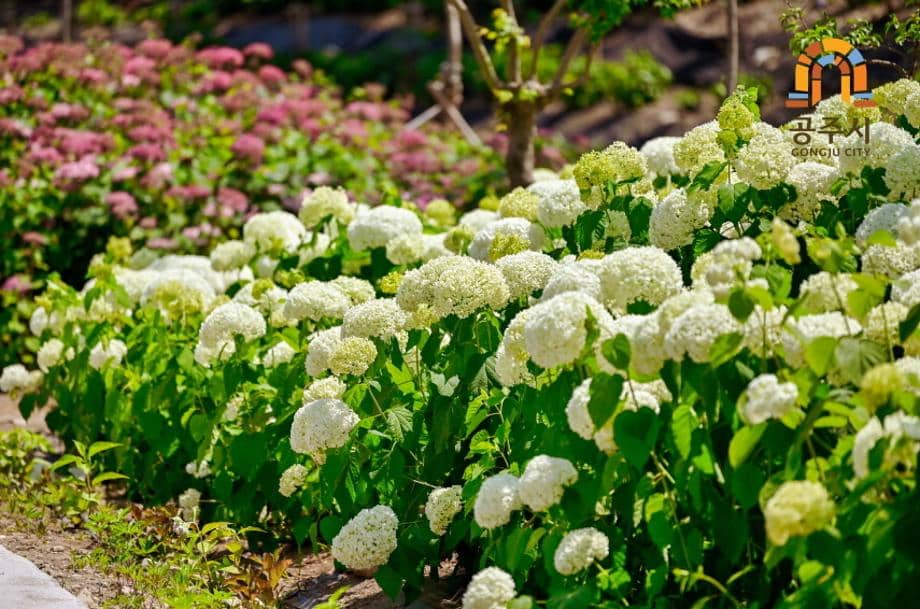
(743,442)
(390,580)
(521,602)
(99,447)
(617,351)
(725,348)
(819,354)
(907,327)
(635,433)
(64,462)
(855,356)
(747,481)
(107,476)
(399,421)
(683,422)
(605,396)
(741,304)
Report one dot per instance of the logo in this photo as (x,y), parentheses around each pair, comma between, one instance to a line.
(854,78)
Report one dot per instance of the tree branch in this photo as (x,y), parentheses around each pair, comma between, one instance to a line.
(571,51)
(540,36)
(514,55)
(583,77)
(479,49)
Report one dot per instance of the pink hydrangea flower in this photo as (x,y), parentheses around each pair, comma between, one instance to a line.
(259,50)
(221,57)
(249,148)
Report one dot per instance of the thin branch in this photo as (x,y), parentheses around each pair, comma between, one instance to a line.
(571,51)
(586,73)
(514,54)
(479,49)
(540,36)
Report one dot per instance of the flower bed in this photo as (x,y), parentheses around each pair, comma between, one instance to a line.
(176,148)
(675,376)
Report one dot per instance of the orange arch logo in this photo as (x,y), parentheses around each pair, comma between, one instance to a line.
(854,79)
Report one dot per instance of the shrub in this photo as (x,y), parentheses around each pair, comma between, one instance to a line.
(731,421)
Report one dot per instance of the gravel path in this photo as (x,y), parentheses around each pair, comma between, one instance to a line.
(24,586)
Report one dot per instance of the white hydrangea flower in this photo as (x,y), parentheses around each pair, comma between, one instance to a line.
(526,272)
(367,540)
(576,276)
(491,588)
(543,482)
(322,425)
(695,331)
(555,331)
(322,347)
(376,227)
(51,353)
(478,219)
(560,202)
(659,153)
(275,231)
(766,159)
(579,549)
(406,248)
(798,333)
(823,292)
(270,302)
(328,387)
(763,330)
(195,291)
(324,202)
(380,318)
(884,217)
(797,509)
(281,353)
(903,434)
(882,323)
(885,141)
(497,498)
(357,290)
(675,219)
(231,255)
(222,325)
(433,247)
(907,229)
(638,274)
(698,147)
(316,300)
(199,265)
(812,182)
(452,285)
(522,228)
(902,174)
(292,479)
(16,379)
(645,341)
(767,398)
(107,353)
(727,263)
(672,308)
(198,470)
(891,261)
(189,501)
(577,414)
(38,321)
(232,407)
(442,505)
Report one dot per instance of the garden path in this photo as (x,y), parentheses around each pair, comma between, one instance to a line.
(25,586)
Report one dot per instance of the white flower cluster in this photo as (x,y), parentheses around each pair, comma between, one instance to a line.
(367,540)
(797,509)
(766,159)
(231,255)
(292,479)
(555,331)
(320,426)
(452,285)
(491,588)
(635,274)
(674,220)
(517,230)
(544,480)
(316,300)
(498,497)
(695,331)
(107,353)
(51,353)
(442,505)
(326,202)
(16,379)
(767,398)
(726,264)
(281,353)
(560,202)
(579,549)
(903,434)
(659,153)
(380,318)
(526,272)
(275,231)
(375,227)
(216,337)
(328,387)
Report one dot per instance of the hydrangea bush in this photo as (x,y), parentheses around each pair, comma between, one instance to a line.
(681,376)
(175,148)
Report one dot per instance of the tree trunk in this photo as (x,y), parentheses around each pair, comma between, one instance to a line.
(734,50)
(521,118)
(67,20)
